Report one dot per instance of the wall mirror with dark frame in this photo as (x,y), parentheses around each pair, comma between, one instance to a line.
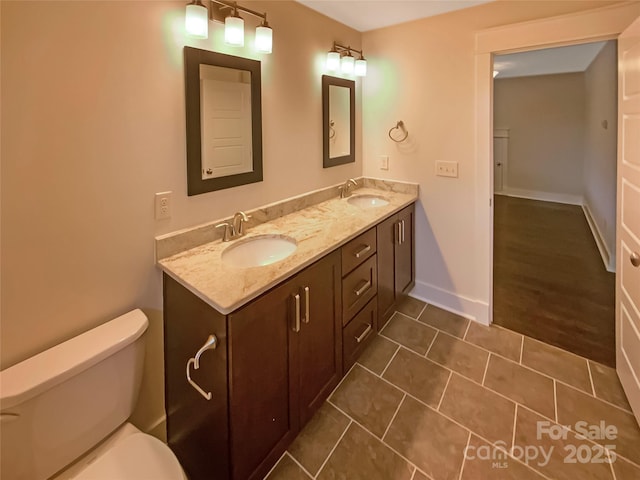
(338,121)
(224,121)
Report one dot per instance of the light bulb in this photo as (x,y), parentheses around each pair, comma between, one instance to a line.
(234,31)
(333,60)
(347,64)
(361,68)
(196,20)
(495,73)
(264,38)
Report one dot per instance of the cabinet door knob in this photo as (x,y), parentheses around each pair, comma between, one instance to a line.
(306,318)
(635,259)
(296,313)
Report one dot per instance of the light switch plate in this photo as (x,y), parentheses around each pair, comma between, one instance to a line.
(384,162)
(163,205)
(447,169)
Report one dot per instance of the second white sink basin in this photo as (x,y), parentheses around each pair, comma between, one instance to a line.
(368,201)
(259,251)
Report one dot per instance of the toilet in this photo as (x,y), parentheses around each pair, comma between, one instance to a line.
(63,412)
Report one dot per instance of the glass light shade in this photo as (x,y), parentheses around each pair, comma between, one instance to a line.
(234,31)
(196,21)
(361,68)
(347,64)
(495,73)
(333,61)
(264,39)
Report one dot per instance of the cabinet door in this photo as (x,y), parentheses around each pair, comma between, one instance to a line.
(263,382)
(387,234)
(404,252)
(197,428)
(320,337)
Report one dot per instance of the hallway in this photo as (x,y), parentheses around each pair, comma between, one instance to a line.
(549,279)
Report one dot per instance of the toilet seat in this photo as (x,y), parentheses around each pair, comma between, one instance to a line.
(137,457)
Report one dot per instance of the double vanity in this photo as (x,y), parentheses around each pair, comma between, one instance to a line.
(260,329)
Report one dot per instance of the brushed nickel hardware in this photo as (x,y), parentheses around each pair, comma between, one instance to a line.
(306,318)
(296,313)
(364,250)
(235,228)
(210,344)
(345,190)
(228,231)
(398,233)
(399,126)
(364,334)
(363,288)
(402,230)
(635,259)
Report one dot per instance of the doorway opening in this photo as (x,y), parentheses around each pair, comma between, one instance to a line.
(554,169)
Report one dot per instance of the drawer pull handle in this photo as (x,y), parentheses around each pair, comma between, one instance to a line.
(365,286)
(210,344)
(296,314)
(364,334)
(306,318)
(402,231)
(364,250)
(398,233)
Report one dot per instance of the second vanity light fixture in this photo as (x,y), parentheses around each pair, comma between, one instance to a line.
(341,58)
(197,23)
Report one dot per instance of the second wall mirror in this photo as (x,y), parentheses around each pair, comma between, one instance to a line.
(338,121)
(224,121)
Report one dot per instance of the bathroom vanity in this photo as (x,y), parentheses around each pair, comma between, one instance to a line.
(280,350)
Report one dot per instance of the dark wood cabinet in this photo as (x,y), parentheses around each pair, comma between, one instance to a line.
(279,357)
(277,360)
(396,266)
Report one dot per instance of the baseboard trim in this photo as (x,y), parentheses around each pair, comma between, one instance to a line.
(475,310)
(608,260)
(566,198)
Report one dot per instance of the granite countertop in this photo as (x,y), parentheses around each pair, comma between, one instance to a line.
(318,230)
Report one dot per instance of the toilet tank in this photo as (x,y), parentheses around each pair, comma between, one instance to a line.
(60,403)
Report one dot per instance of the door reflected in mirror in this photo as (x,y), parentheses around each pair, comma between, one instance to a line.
(225,130)
(338,119)
(224,121)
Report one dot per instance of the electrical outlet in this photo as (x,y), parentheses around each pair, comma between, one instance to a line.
(384,162)
(447,169)
(163,205)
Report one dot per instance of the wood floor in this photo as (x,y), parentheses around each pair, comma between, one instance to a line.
(549,279)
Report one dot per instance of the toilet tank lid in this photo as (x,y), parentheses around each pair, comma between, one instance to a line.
(43,371)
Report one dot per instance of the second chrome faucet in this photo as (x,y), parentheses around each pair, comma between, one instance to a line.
(345,189)
(235,228)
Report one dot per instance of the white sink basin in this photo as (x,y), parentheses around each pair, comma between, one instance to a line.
(259,251)
(368,201)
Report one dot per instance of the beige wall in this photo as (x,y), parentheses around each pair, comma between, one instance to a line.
(93,125)
(601,88)
(545,115)
(424,72)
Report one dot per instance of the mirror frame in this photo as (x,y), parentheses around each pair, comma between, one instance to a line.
(351,85)
(193,58)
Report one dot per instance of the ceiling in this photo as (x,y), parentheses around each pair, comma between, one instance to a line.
(365,15)
(575,58)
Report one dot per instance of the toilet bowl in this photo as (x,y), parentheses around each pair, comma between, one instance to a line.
(64,412)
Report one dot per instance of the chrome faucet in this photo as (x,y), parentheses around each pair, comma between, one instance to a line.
(345,190)
(235,228)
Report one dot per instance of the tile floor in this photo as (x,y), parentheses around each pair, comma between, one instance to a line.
(433,385)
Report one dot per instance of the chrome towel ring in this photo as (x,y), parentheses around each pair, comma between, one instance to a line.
(399,126)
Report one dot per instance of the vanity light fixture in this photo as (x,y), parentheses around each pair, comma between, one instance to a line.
(340,57)
(197,23)
(495,73)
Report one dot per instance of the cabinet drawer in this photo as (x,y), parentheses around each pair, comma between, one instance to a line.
(358,288)
(359,333)
(358,250)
